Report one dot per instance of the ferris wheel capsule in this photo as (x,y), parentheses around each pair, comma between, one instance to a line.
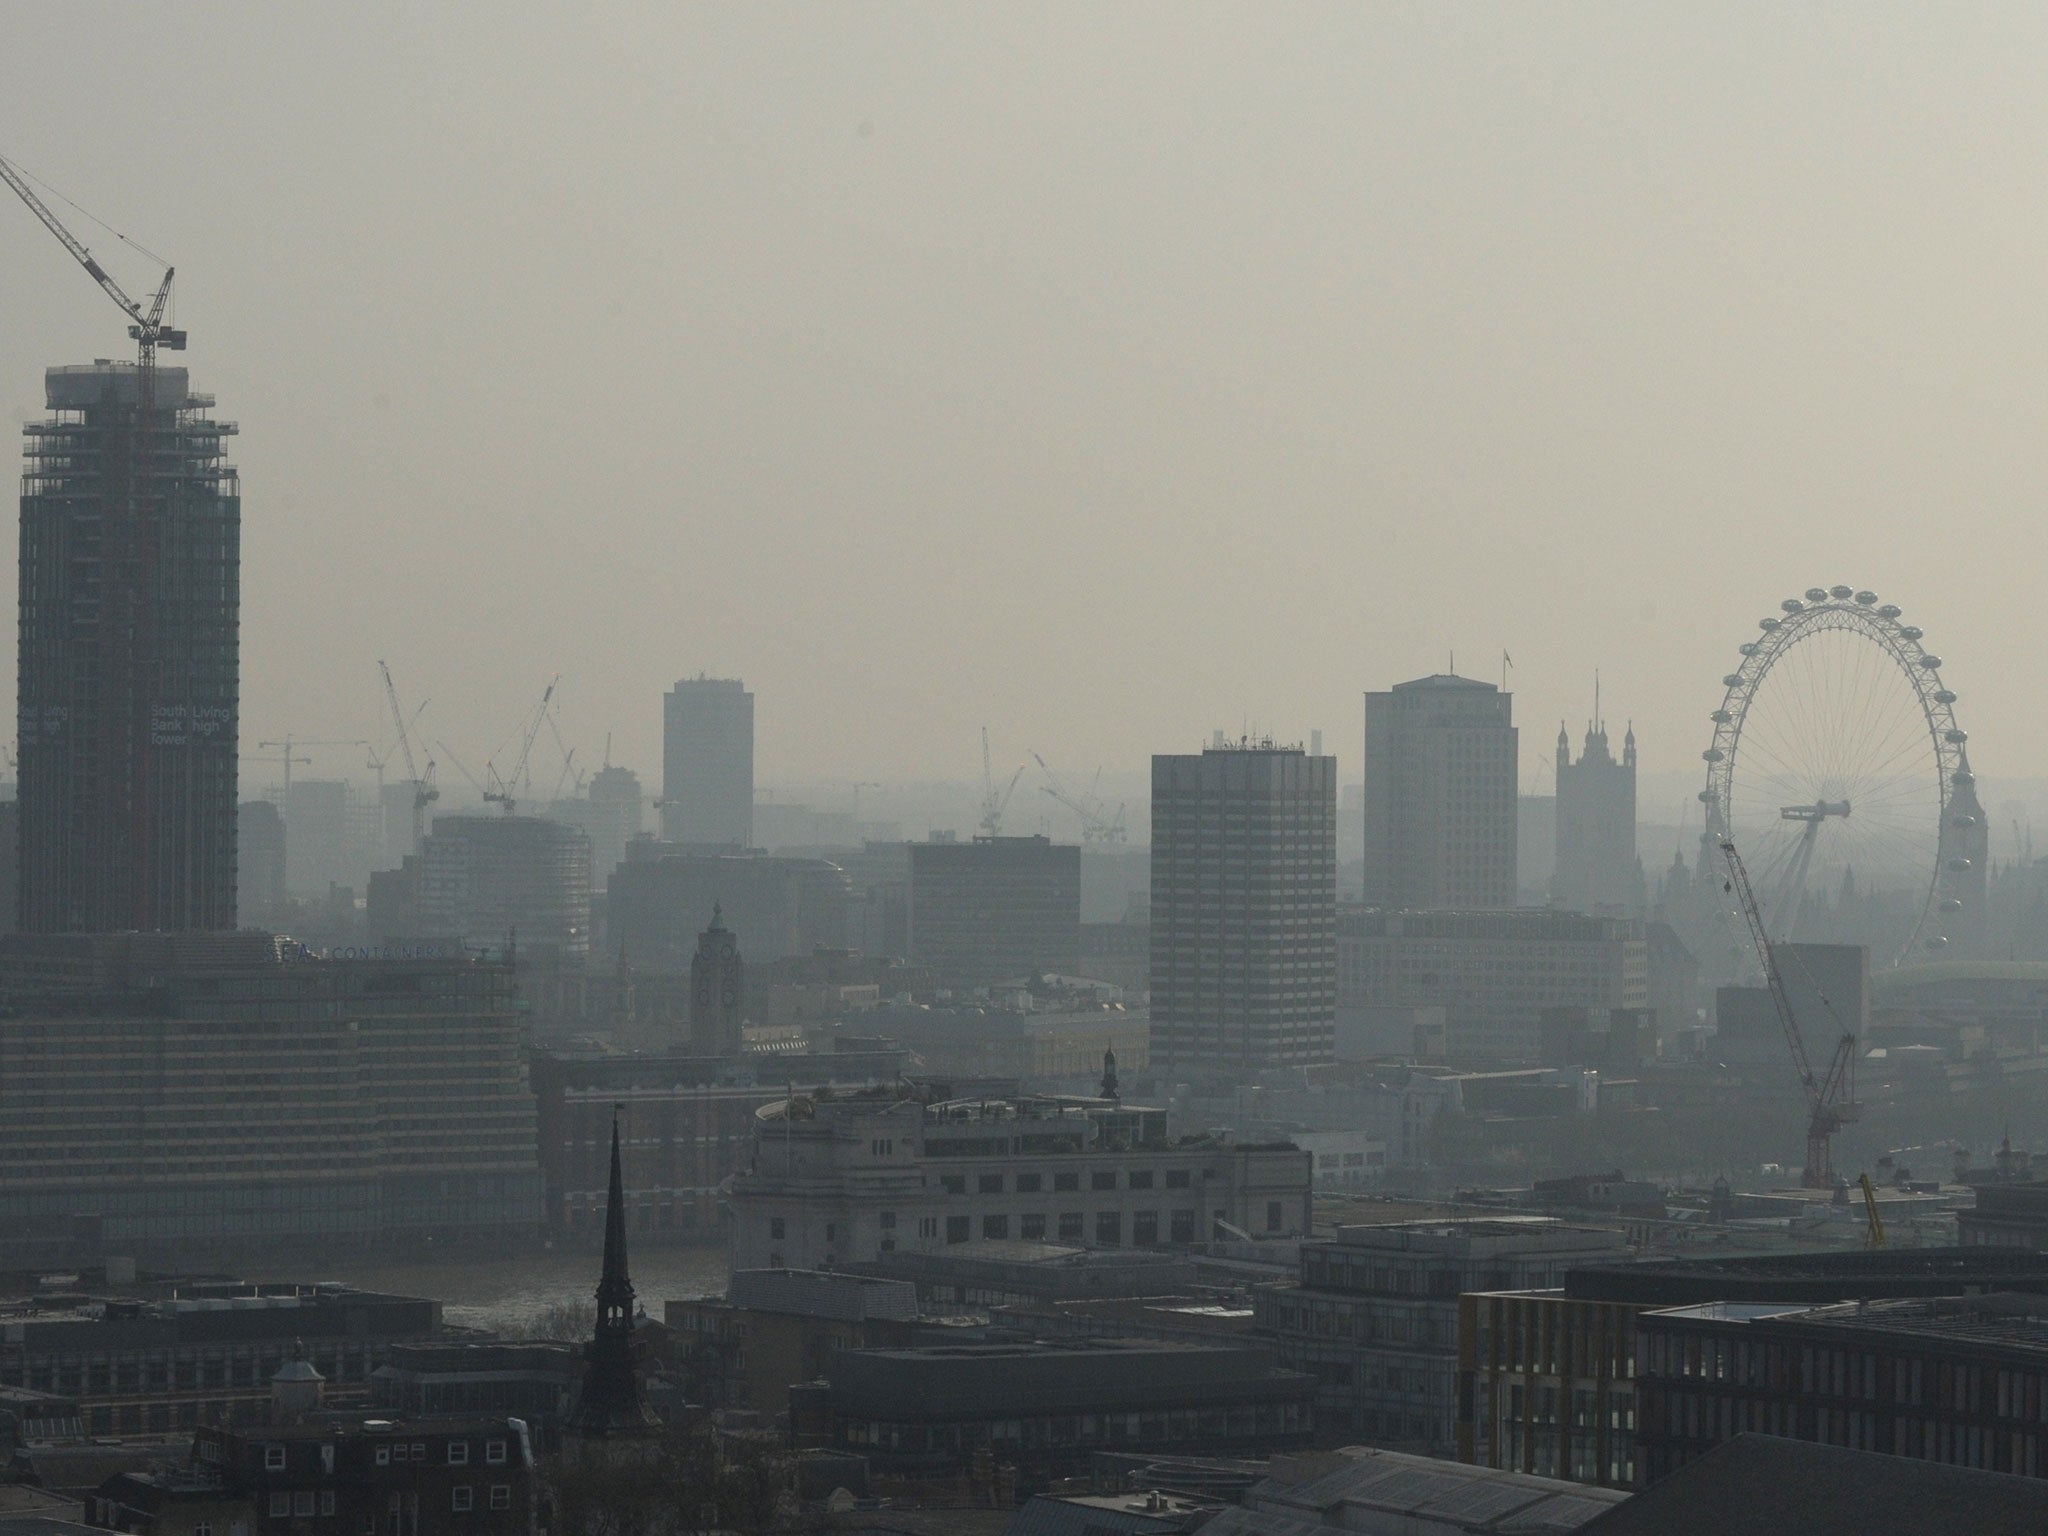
(1866,598)
(1889,611)
(1945,696)
(1768,624)
(1732,680)
(1910,632)
(1931,663)
(1839,594)
(1793,605)
(1816,594)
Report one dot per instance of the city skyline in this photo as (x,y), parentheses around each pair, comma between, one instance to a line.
(1507,332)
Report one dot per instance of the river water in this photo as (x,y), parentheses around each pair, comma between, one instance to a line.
(513,1291)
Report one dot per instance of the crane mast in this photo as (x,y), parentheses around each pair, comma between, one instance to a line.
(1830,1099)
(423,791)
(128,625)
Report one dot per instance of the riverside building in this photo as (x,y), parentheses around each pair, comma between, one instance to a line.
(835,1181)
(181,1094)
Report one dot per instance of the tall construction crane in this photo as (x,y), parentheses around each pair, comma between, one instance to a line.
(128,616)
(1831,1099)
(423,791)
(994,802)
(1097,824)
(148,330)
(504,789)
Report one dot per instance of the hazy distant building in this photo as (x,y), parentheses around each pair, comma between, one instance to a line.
(263,1094)
(707,763)
(1244,899)
(610,814)
(1440,795)
(494,880)
(321,846)
(718,991)
(1828,988)
(127,678)
(1492,973)
(259,863)
(995,909)
(1596,825)
(1535,848)
(659,899)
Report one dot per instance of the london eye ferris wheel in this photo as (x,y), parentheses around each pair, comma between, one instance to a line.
(1837,764)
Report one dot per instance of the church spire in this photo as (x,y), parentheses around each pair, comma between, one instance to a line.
(613,1402)
(614,1290)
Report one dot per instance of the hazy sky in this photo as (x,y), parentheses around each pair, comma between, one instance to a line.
(1103,373)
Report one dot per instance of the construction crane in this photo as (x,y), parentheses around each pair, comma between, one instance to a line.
(1097,824)
(128,603)
(1830,1099)
(290,742)
(502,787)
(423,791)
(994,803)
(1876,1222)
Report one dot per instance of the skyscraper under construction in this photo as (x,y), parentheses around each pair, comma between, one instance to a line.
(128,664)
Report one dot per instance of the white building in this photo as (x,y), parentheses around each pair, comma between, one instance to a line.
(837,1181)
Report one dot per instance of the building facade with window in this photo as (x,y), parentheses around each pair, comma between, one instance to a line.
(1374,1316)
(378,1477)
(995,909)
(1959,1380)
(180,1093)
(1244,899)
(1492,973)
(838,1180)
(1045,1406)
(204,1355)
(1440,805)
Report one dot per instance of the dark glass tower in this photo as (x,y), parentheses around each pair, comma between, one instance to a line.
(128,680)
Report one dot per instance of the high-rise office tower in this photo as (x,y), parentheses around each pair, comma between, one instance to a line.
(1596,824)
(1244,908)
(128,667)
(1440,795)
(707,762)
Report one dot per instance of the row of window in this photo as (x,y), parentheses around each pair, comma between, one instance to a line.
(1034,1183)
(304,1504)
(496,1453)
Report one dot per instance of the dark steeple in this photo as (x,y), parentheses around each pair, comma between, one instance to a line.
(613,1402)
